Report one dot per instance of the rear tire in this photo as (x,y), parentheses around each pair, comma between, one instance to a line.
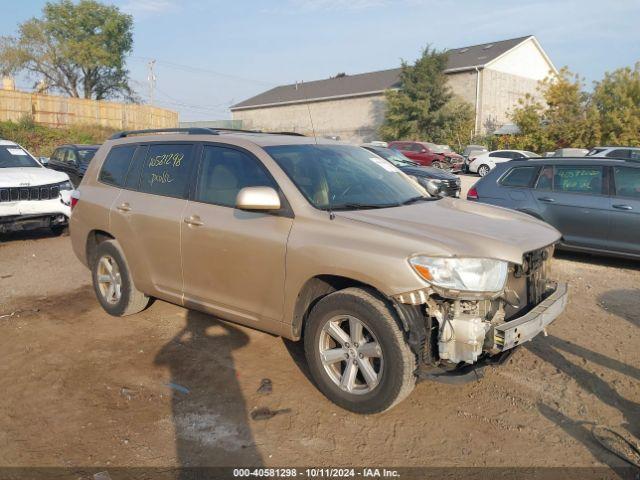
(113,284)
(483,170)
(356,352)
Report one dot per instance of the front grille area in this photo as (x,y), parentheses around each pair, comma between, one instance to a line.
(43,192)
(450,186)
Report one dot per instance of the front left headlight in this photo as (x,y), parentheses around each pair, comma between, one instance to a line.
(432,185)
(67,185)
(467,274)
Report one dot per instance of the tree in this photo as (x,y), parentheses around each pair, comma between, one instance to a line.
(617,101)
(563,117)
(424,106)
(77,49)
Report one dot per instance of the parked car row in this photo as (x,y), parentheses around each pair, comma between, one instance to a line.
(593,202)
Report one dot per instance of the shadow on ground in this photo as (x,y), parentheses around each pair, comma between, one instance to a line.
(209,410)
(623,303)
(549,351)
(30,235)
(595,259)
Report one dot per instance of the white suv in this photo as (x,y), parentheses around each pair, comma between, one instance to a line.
(31,196)
(626,153)
(485,162)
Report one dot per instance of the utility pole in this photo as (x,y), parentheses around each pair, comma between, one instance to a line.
(151,78)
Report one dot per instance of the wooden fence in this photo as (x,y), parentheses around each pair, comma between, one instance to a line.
(56,111)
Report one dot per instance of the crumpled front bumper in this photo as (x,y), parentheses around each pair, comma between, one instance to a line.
(522,329)
(27,214)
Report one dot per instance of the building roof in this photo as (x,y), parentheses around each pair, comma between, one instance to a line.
(460,59)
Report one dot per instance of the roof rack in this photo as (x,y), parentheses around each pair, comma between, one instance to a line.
(188,131)
(196,131)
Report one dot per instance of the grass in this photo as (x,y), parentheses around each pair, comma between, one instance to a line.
(41,141)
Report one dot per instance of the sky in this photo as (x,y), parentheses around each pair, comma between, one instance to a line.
(211,54)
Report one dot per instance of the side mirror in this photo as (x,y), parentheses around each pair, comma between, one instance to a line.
(258,198)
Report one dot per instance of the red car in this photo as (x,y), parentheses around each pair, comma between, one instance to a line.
(430,154)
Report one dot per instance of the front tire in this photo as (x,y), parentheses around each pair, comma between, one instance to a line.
(483,170)
(356,352)
(113,284)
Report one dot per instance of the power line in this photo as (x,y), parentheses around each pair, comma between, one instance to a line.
(189,68)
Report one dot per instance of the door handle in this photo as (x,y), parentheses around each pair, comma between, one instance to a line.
(546,199)
(623,207)
(193,221)
(124,207)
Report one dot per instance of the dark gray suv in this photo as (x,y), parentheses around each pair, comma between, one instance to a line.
(594,202)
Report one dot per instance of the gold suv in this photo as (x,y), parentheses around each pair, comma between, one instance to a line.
(318,241)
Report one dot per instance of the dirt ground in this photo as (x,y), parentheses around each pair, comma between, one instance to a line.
(171,387)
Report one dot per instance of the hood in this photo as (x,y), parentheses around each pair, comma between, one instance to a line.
(452,155)
(429,172)
(462,228)
(30,177)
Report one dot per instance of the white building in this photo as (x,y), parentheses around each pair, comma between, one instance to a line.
(492,77)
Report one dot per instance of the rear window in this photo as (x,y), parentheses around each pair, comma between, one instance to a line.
(166,170)
(115,167)
(627,182)
(519,177)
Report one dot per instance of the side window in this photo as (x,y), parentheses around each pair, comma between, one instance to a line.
(627,180)
(410,147)
(578,179)
(57,155)
(619,153)
(545,180)
(133,177)
(519,177)
(516,155)
(634,154)
(71,157)
(501,154)
(224,172)
(115,167)
(166,170)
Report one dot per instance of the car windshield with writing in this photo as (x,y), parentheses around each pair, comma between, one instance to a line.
(16,157)
(342,177)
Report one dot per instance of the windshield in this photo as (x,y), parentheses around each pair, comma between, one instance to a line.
(394,156)
(15,157)
(86,154)
(344,177)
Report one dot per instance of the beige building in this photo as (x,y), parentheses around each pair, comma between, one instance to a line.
(492,77)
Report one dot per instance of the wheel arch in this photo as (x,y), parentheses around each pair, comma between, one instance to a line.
(95,238)
(316,288)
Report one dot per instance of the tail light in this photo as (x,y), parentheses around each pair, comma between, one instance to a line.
(472,194)
(75,197)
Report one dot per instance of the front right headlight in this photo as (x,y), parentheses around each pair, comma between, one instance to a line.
(465,274)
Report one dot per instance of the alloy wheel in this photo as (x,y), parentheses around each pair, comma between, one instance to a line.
(109,279)
(351,354)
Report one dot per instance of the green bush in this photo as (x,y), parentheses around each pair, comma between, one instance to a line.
(41,141)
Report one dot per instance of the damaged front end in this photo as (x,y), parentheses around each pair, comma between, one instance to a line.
(450,328)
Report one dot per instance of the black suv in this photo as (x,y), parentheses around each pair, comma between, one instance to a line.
(438,182)
(72,160)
